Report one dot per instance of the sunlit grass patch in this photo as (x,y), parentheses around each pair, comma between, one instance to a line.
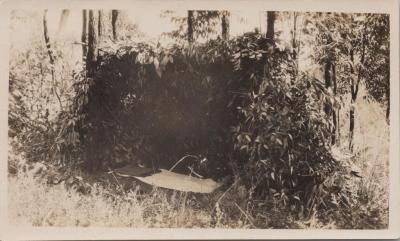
(33,202)
(370,159)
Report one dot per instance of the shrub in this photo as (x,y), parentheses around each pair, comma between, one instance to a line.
(281,138)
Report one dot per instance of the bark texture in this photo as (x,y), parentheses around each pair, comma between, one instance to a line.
(63,20)
(225,25)
(84,35)
(190,30)
(92,44)
(270,25)
(114,18)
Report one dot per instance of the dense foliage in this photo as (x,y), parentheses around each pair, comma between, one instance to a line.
(281,136)
(217,101)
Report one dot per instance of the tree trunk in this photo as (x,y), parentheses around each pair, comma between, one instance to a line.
(190,30)
(84,35)
(354,89)
(334,79)
(63,20)
(388,98)
(328,83)
(295,50)
(352,108)
(114,18)
(329,109)
(47,38)
(51,57)
(269,48)
(92,141)
(338,127)
(335,116)
(270,26)
(225,25)
(100,29)
(92,45)
(294,42)
(353,99)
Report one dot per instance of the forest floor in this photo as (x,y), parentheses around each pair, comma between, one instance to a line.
(34,202)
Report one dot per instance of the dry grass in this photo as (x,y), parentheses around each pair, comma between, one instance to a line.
(38,204)
(33,202)
(370,158)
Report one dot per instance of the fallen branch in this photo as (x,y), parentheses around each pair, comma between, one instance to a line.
(47,217)
(116,179)
(245,214)
(183,158)
(227,190)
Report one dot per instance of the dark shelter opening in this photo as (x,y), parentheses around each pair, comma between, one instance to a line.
(155,112)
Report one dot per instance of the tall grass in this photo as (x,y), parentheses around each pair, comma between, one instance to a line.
(33,202)
(370,158)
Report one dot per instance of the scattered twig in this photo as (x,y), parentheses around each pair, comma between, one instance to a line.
(183,158)
(223,194)
(85,44)
(245,214)
(46,217)
(195,173)
(227,190)
(116,179)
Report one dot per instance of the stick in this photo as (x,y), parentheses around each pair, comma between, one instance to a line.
(195,173)
(227,190)
(47,216)
(116,179)
(245,214)
(181,161)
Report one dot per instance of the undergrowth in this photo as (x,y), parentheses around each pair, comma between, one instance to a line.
(32,201)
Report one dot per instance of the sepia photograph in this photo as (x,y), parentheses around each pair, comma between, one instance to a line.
(200,118)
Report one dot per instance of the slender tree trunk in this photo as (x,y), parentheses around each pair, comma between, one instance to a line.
(294,42)
(352,110)
(353,99)
(388,98)
(338,127)
(51,57)
(270,41)
(334,79)
(84,35)
(225,25)
(47,38)
(335,116)
(270,26)
(94,137)
(328,83)
(329,110)
(100,29)
(190,30)
(354,90)
(92,44)
(294,47)
(63,20)
(114,18)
